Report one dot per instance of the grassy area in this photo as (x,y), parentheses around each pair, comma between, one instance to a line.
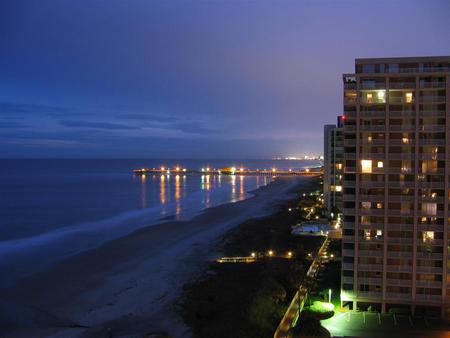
(249,299)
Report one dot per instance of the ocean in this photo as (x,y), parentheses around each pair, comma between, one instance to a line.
(53,209)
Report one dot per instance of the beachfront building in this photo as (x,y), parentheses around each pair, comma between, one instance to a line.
(396,185)
(333,167)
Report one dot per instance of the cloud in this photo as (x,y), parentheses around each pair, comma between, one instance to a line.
(146,117)
(43,142)
(26,108)
(192,128)
(97,125)
(11,125)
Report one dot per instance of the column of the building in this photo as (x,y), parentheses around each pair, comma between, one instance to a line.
(386,196)
(446,198)
(416,195)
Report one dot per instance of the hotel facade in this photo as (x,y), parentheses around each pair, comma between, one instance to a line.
(333,167)
(396,193)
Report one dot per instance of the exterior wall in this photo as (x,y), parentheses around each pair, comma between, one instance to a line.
(396,182)
(333,168)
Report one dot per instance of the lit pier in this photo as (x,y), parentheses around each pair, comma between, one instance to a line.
(230,171)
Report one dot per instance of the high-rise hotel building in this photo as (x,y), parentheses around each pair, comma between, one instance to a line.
(333,167)
(396,187)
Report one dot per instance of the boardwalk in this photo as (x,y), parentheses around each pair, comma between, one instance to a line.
(295,308)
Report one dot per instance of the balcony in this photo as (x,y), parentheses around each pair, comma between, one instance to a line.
(399,282)
(400,198)
(400,296)
(370,294)
(432,84)
(400,254)
(347,266)
(347,280)
(371,184)
(429,269)
(370,267)
(348,252)
(432,99)
(429,298)
(370,253)
(350,239)
(374,114)
(432,127)
(429,255)
(402,85)
(373,128)
(349,142)
(400,100)
(372,281)
(399,240)
(398,268)
(432,142)
(371,198)
(402,127)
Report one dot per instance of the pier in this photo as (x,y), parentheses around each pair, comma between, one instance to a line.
(230,171)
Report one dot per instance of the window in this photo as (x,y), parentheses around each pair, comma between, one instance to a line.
(405,140)
(338,188)
(379,233)
(409,97)
(339,166)
(428,236)
(366,205)
(366,166)
(367,234)
(380,164)
(429,209)
(369,139)
(379,205)
(369,98)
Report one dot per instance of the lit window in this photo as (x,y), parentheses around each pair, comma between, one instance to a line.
(428,236)
(379,205)
(429,209)
(369,98)
(366,205)
(405,140)
(380,164)
(369,139)
(379,232)
(338,188)
(339,166)
(367,233)
(409,97)
(366,166)
(381,94)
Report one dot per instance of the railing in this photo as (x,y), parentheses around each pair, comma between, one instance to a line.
(431,84)
(402,85)
(427,99)
(399,282)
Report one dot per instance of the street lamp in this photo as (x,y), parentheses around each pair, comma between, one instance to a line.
(329,295)
(270,253)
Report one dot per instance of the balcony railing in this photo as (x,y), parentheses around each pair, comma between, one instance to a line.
(402,85)
(427,99)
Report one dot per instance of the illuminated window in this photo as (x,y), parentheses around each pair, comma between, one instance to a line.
(409,97)
(381,95)
(379,233)
(366,166)
(367,233)
(428,236)
(369,98)
(339,166)
(366,205)
(429,209)
(365,220)
(338,188)
(369,139)
(379,205)
(405,140)
(380,164)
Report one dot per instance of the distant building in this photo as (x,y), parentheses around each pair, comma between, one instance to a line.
(333,167)
(396,185)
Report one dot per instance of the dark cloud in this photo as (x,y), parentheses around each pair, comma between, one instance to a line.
(97,125)
(26,108)
(146,117)
(11,125)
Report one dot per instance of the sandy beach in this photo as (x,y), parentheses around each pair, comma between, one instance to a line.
(130,284)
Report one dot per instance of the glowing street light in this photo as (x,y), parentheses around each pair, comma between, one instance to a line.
(253,254)
(270,253)
(329,295)
(274,170)
(289,254)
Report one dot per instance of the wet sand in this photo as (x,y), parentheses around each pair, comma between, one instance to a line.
(129,284)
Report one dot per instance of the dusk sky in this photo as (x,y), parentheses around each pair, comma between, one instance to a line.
(192,79)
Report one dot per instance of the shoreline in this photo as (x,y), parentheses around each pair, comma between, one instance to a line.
(134,280)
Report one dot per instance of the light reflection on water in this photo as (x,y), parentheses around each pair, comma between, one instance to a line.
(172,190)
